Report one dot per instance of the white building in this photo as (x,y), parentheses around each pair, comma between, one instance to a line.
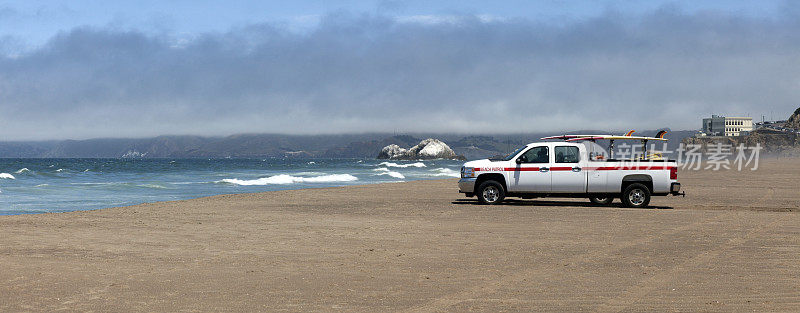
(735,126)
(727,126)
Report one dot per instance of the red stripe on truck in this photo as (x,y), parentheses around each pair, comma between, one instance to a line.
(566,168)
(507,169)
(521,169)
(629,168)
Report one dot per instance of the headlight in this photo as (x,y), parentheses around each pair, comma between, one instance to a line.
(467,172)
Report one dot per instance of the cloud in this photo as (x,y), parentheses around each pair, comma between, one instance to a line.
(6,12)
(355,73)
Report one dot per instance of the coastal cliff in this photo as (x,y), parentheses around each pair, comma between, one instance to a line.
(774,142)
(794,121)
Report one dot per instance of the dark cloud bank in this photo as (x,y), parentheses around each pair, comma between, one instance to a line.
(365,73)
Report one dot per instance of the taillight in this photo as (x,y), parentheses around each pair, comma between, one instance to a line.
(673,173)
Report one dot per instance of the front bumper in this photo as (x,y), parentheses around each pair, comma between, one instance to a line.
(675,190)
(466,185)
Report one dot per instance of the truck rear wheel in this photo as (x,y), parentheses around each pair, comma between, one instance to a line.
(636,196)
(491,192)
(601,200)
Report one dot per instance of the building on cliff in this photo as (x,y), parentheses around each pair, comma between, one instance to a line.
(727,126)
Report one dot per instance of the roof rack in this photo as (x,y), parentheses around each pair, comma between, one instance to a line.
(628,136)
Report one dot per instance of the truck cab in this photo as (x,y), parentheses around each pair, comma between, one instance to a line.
(568,169)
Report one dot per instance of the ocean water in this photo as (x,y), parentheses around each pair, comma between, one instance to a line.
(61,185)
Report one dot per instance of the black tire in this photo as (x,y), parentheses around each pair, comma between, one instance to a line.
(636,196)
(601,200)
(491,192)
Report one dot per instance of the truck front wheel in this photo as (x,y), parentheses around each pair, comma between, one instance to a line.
(636,196)
(491,192)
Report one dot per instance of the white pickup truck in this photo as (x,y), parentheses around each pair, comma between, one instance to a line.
(576,168)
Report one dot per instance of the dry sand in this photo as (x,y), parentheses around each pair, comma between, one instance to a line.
(733,244)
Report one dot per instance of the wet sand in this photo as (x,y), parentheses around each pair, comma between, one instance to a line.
(732,244)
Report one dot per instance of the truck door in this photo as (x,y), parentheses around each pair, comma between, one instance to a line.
(567,174)
(532,172)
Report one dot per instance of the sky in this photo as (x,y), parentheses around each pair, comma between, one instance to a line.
(89,69)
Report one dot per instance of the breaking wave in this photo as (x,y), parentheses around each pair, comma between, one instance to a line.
(392,164)
(386,171)
(7,176)
(284,179)
(446,172)
(22,170)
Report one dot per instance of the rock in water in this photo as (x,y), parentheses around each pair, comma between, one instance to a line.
(432,149)
(427,149)
(391,152)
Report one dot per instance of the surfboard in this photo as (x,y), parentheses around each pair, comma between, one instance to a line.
(627,136)
(613,137)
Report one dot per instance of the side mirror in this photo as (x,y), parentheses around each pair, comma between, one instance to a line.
(519,160)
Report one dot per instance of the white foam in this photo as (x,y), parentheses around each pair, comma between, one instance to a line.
(311,162)
(392,164)
(310,173)
(6,176)
(284,179)
(445,172)
(386,171)
(155,186)
(393,174)
(22,170)
(60,170)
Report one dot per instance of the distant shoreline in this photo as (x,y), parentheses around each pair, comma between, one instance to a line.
(361,145)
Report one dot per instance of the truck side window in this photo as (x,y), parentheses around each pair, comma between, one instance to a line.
(536,155)
(567,154)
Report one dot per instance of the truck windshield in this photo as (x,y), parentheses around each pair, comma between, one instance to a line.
(509,156)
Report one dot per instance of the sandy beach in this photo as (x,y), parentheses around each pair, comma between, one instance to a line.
(732,244)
